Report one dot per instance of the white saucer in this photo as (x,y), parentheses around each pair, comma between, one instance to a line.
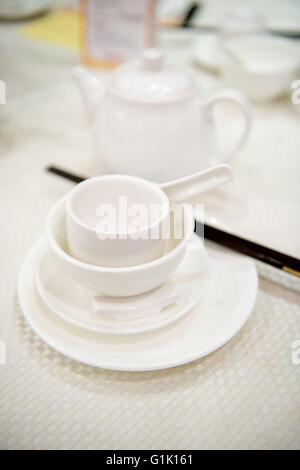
(74,303)
(221,312)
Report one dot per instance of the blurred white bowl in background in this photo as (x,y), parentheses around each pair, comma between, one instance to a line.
(261,66)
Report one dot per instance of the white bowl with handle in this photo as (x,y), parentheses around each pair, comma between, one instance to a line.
(117,282)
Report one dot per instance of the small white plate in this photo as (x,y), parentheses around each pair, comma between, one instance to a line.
(221,312)
(74,303)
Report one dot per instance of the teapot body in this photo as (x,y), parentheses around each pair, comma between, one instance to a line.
(156,141)
(148,121)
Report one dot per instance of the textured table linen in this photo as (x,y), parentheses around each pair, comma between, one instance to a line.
(245,395)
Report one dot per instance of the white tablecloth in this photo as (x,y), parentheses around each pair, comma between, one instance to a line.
(245,395)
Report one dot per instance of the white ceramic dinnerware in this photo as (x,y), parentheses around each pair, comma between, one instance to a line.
(149,120)
(103,227)
(241,20)
(237,22)
(192,185)
(119,281)
(224,307)
(264,67)
(123,315)
(120,220)
(206,52)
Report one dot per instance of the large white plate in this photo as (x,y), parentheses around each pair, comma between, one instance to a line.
(223,309)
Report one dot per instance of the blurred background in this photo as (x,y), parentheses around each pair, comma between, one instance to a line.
(44,122)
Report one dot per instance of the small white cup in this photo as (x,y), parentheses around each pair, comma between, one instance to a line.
(118,282)
(116,221)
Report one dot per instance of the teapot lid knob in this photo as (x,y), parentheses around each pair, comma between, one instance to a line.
(152,79)
(152,59)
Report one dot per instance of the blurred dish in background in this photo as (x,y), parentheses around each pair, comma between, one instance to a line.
(207,52)
(238,22)
(261,66)
(241,21)
(11,10)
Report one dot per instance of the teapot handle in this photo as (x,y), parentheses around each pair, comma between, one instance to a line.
(243,103)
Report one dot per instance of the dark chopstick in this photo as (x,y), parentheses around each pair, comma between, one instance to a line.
(209,28)
(189,14)
(262,253)
(65,174)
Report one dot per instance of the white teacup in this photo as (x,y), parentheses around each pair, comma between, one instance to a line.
(118,282)
(116,221)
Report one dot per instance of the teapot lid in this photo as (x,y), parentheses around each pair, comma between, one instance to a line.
(151,79)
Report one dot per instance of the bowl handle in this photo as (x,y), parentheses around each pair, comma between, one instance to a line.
(243,103)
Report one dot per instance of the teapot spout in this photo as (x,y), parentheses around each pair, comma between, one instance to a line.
(91,88)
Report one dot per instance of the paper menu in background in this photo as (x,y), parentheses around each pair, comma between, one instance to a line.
(114,30)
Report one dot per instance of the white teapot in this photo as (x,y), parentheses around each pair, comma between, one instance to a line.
(148,120)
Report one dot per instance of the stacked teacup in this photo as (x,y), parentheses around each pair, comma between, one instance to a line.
(117,235)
